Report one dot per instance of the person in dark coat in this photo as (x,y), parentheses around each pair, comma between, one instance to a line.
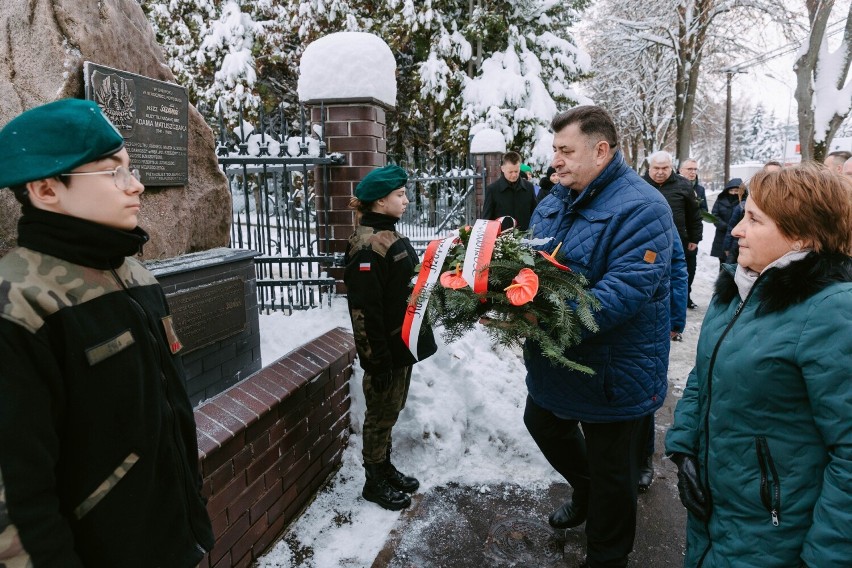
(617,231)
(511,195)
(689,170)
(724,207)
(762,436)
(379,266)
(680,196)
(546,183)
(98,451)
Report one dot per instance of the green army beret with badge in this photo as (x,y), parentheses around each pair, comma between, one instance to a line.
(378,183)
(53,139)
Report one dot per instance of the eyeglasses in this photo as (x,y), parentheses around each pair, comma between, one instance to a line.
(120,176)
(690,169)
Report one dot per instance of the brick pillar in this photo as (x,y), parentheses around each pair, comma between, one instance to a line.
(356,129)
(491,163)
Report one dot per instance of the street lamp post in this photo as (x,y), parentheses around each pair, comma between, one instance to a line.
(729,73)
(727,175)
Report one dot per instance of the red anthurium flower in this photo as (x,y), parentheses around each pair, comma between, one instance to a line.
(523,288)
(552,258)
(453,279)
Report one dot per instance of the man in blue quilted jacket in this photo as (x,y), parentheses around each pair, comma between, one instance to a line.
(616,230)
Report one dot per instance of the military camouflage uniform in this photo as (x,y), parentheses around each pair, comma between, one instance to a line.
(379,266)
(98,455)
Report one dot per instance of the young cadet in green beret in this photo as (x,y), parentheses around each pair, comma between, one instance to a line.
(379,267)
(98,455)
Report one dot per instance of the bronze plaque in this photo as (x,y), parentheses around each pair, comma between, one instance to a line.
(151,115)
(209,313)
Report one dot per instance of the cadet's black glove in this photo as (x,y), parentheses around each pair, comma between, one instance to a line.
(689,485)
(381,381)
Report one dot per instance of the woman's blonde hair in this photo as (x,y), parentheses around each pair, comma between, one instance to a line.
(807,202)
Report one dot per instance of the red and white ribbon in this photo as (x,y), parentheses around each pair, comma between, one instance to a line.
(430,271)
(480,247)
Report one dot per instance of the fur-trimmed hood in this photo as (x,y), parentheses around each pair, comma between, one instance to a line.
(781,288)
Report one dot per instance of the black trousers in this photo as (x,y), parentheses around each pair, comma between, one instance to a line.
(601,464)
(691,265)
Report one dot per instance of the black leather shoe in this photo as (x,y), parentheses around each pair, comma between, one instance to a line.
(646,474)
(378,490)
(399,481)
(567,516)
(692,305)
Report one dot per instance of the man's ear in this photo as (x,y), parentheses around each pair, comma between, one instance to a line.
(601,151)
(43,191)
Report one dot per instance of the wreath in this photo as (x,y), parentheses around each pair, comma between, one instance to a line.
(501,279)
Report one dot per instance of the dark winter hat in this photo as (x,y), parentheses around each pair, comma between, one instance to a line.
(733,183)
(55,138)
(550,171)
(378,183)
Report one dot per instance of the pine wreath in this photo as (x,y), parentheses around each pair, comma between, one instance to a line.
(551,304)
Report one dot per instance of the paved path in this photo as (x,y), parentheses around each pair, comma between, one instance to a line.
(506,525)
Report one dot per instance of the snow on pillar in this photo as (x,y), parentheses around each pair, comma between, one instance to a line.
(487,148)
(353,76)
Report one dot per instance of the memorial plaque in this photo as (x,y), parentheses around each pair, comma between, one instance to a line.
(209,313)
(151,115)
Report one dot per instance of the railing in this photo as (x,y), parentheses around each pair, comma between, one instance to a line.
(442,198)
(272,173)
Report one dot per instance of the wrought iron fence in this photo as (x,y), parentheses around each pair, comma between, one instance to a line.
(443,198)
(272,172)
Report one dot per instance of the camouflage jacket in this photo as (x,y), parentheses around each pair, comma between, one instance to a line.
(98,455)
(379,266)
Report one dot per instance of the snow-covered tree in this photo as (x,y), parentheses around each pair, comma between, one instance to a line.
(823,89)
(756,135)
(526,71)
(693,31)
(462,64)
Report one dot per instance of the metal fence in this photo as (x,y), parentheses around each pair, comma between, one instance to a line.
(443,198)
(272,172)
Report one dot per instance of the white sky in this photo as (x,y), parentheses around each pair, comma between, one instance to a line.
(462,423)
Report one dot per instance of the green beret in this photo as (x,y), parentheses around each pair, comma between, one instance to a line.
(525,168)
(380,182)
(54,139)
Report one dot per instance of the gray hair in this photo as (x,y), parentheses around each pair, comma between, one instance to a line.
(660,156)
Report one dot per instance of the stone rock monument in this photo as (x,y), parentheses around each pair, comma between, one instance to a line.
(42,49)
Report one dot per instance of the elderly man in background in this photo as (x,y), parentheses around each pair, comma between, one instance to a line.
(680,196)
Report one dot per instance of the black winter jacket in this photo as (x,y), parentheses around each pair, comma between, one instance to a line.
(379,267)
(98,454)
(513,199)
(722,210)
(680,196)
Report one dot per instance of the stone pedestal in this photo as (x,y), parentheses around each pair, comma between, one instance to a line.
(213,299)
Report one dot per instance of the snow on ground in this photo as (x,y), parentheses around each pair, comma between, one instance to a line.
(463,422)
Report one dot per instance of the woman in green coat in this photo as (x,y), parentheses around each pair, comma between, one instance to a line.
(763,434)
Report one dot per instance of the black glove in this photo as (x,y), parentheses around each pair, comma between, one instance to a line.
(381,381)
(689,485)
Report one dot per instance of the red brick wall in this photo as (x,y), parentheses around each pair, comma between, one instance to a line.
(491,162)
(269,443)
(357,130)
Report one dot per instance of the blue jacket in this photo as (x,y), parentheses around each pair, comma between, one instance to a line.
(618,233)
(680,287)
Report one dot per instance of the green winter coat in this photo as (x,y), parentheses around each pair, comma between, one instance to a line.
(768,412)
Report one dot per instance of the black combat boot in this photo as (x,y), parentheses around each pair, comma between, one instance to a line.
(397,480)
(377,489)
